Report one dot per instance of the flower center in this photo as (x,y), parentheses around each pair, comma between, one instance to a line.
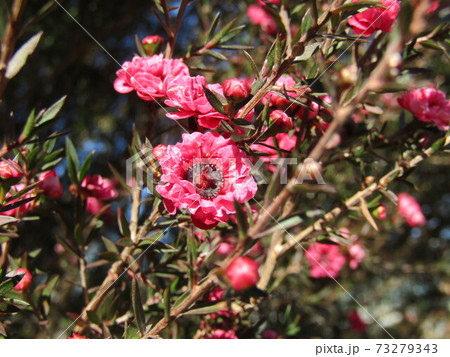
(207,179)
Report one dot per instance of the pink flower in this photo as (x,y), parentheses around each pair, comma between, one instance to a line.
(428,105)
(77,337)
(236,88)
(186,93)
(356,323)
(326,260)
(357,254)
(375,18)
(97,189)
(285,85)
(243,273)
(260,16)
(50,184)
(281,119)
(204,174)
(25,281)
(10,169)
(410,210)
(285,142)
(222,334)
(149,76)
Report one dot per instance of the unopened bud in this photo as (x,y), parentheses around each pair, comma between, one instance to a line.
(152,44)
(348,76)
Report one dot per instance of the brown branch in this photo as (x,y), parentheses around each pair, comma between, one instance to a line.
(9,41)
(354,201)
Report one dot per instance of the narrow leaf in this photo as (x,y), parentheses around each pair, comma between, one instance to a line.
(19,59)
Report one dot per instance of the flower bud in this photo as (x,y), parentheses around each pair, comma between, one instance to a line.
(381,212)
(10,170)
(151,44)
(281,119)
(25,281)
(50,184)
(410,209)
(236,88)
(348,76)
(243,273)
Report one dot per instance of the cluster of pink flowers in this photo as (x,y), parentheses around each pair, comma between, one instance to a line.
(222,334)
(410,210)
(149,76)
(97,190)
(375,18)
(428,105)
(204,174)
(49,185)
(326,260)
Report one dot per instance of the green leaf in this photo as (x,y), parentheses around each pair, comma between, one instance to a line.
(53,111)
(213,27)
(119,178)
(139,46)
(283,225)
(123,223)
(85,167)
(19,58)
(208,308)
(232,34)
(16,204)
(270,59)
(213,99)
(306,22)
(308,52)
(215,54)
(109,245)
(218,37)
(137,307)
(10,283)
(29,125)
(109,256)
(94,318)
(72,161)
(252,64)
(7,220)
